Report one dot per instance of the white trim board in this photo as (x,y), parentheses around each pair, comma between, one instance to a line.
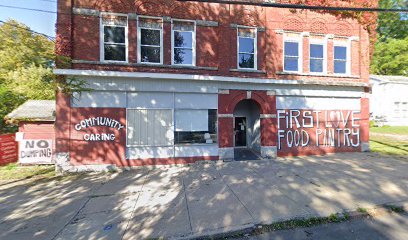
(178,76)
(318,103)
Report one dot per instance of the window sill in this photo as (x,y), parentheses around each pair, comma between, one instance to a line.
(319,75)
(248,71)
(194,144)
(157,65)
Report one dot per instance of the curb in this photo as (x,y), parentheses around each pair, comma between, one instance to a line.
(301,222)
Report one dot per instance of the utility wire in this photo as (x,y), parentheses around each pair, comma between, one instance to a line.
(29,9)
(299,6)
(28,29)
(263,4)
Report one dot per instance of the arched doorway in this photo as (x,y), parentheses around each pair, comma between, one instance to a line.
(247,130)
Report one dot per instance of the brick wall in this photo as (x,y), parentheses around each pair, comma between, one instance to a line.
(216,45)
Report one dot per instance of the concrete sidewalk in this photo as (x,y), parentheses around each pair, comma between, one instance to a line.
(200,199)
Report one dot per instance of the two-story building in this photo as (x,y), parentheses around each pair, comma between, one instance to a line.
(177,82)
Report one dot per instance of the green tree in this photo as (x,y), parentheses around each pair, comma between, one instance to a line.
(392,24)
(391,57)
(22,48)
(26,61)
(33,82)
(8,102)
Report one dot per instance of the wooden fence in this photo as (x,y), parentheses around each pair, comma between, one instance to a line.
(8,149)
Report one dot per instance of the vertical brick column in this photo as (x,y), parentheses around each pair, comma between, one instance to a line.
(225,125)
(306,52)
(167,40)
(132,39)
(365,125)
(63,51)
(269,127)
(330,54)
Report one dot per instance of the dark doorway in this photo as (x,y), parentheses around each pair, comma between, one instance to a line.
(240,132)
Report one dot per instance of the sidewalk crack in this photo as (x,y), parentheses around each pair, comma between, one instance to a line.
(134,207)
(236,196)
(188,208)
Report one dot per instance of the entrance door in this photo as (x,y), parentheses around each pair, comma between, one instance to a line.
(240,131)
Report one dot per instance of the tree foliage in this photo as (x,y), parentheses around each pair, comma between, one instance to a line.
(21,48)
(391,49)
(8,102)
(26,61)
(32,81)
(392,24)
(391,57)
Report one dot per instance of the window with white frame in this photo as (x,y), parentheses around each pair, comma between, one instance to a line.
(114,38)
(340,60)
(404,109)
(317,58)
(183,42)
(150,127)
(291,56)
(247,48)
(150,40)
(195,126)
(401,109)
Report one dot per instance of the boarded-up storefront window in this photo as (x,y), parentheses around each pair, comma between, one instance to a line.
(150,127)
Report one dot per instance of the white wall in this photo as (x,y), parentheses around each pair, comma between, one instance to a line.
(383,99)
(318,103)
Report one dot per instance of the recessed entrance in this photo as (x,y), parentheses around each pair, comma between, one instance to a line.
(247,130)
(240,131)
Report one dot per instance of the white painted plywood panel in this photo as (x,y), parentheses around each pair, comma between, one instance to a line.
(149,152)
(150,100)
(196,150)
(318,103)
(196,101)
(98,99)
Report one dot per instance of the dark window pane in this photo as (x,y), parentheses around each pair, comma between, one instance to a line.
(150,54)
(150,37)
(246,61)
(114,34)
(316,51)
(183,56)
(291,49)
(291,64)
(115,52)
(183,39)
(200,137)
(316,65)
(340,53)
(339,67)
(246,45)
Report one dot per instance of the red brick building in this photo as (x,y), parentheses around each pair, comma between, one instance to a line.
(177,82)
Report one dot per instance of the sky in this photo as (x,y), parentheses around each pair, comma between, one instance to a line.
(37,21)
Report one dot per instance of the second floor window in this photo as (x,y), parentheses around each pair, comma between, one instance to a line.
(247,48)
(316,58)
(150,40)
(291,58)
(183,41)
(340,60)
(114,30)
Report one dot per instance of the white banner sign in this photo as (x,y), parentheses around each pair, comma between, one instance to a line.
(35,151)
